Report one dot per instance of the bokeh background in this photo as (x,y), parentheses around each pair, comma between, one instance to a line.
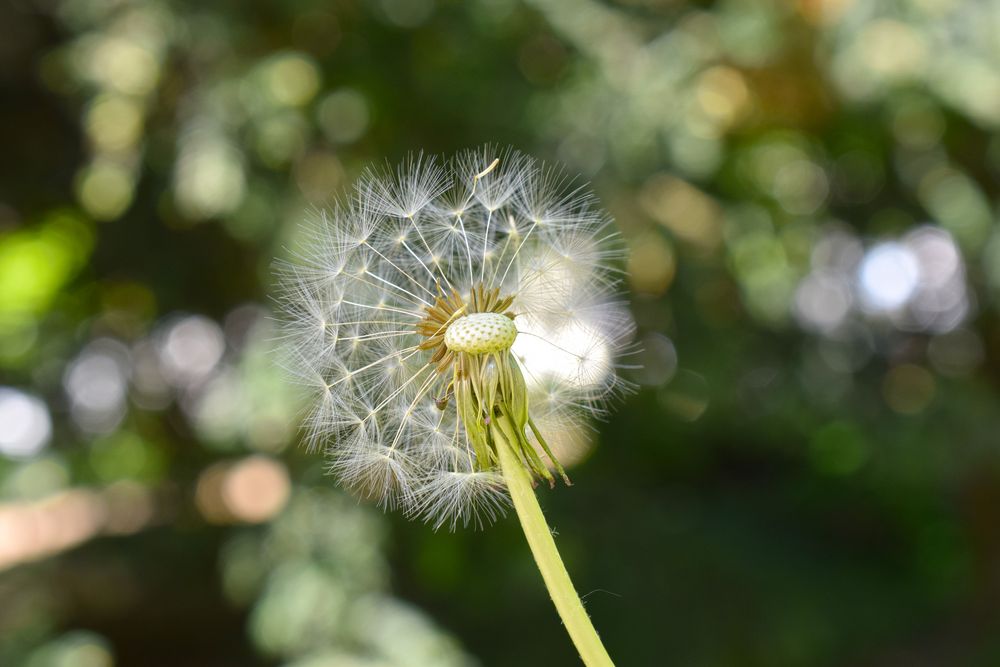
(809,473)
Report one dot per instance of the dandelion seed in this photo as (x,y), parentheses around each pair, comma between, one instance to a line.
(439,309)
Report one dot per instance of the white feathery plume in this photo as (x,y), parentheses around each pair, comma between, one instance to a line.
(439,297)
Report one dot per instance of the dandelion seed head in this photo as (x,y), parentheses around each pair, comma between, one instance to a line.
(466,498)
(480,333)
(442,301)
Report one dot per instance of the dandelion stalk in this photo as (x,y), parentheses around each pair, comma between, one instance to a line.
(446,319)
(550,564)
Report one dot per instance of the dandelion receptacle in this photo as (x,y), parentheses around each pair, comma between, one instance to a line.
(447,317)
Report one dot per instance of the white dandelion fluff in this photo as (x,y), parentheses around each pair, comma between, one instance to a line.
(439,309)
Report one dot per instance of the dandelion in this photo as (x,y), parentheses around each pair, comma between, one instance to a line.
(444,315)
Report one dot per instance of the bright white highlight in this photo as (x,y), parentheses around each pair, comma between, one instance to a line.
(568,354)
(190,349)
(96,383)
(25,425)
(888,276)
(915,283)
(823,302)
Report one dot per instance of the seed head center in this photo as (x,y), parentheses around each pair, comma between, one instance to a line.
(480,333)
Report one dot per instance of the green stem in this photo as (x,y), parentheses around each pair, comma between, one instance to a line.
(543,548)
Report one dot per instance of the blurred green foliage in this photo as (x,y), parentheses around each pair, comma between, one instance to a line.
(809,474)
